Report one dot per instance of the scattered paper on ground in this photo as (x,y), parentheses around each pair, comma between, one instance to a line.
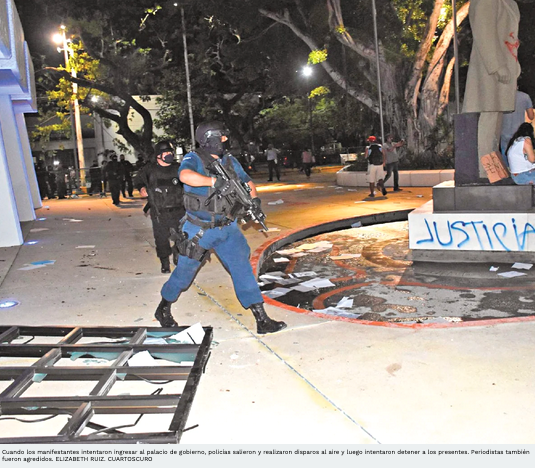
(86,246)
(345,256)
(318,283)
(494,268)
(320,249)
(337,312)
(356,225)
(193,334)
(270,278)
(276,202)
(35,230)
(345,303)
(281,260)
(72,220)
(287,252)
(287,282)
(304,274)
(314,247)
(277,292)
(302,288)
(270,229)
(522,266)
(511,274)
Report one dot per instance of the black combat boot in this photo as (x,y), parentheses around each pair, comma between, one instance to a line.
(166,268)
(263,323)
(163,314)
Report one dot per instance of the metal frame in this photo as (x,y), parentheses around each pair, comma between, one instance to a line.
(81,408)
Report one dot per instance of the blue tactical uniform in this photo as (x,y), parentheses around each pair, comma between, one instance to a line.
(225,239)
(210,224)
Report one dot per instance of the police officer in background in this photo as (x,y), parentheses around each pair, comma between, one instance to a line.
(159,181)
(209,226)
(112,172)
(126,168)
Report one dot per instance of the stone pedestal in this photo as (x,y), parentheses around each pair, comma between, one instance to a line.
(469,219)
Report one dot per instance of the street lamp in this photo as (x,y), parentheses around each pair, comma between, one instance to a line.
(307,72)
(79,162)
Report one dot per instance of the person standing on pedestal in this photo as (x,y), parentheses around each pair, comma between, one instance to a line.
(493,69)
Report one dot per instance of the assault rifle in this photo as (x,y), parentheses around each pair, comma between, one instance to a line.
(238,193)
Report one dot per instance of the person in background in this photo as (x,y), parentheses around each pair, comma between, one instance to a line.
(159,182)
(520,155)
(51,179)
(41,175)
(139,163)
(113,176)
(95,174)
(376,164)
(125,170)
(512,120)
(272,155)
(307,160)
(104,177)
(390,149)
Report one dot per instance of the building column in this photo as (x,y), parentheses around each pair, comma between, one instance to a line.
(28,161)
(11,234)
(15,160)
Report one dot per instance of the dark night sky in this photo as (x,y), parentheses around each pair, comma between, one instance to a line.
(39,29)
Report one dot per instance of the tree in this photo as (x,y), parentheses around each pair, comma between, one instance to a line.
(422,80)
(129,43)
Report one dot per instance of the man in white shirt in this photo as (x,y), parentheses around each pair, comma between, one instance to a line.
(272,159)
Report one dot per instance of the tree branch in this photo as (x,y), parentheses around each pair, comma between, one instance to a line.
(422,52)
(361,95)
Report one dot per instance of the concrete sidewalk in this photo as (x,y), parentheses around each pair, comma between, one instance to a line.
(320,381)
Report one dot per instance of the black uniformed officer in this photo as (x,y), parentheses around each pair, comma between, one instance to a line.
(95,174)
(159,181)
(126,168)
(113,176)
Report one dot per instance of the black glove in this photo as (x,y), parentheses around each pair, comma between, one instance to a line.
(257,202)
(219,183)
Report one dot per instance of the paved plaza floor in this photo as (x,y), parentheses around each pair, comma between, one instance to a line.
(366,379)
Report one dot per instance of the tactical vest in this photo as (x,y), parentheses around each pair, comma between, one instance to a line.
(217,207)
(164,188)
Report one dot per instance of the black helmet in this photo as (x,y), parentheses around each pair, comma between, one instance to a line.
(163,146)
(209,134)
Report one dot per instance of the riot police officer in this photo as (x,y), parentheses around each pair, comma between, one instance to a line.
(112,173)
(209,225)
(159,181)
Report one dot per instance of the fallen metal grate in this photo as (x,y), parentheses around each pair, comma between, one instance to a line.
(43,369)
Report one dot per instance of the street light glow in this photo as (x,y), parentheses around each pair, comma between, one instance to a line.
(57,38)
(307,71)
